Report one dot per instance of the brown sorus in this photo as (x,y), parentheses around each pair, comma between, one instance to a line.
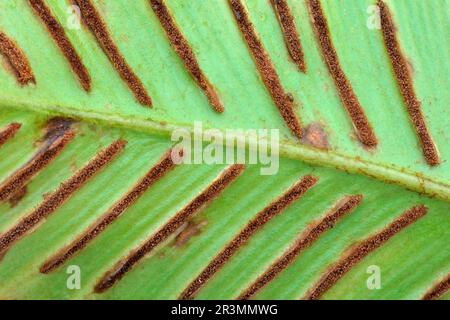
(438,289)
(250,229)
(291,37)
(95,23)
(266,68)
(17,60)
(305,240)
(184,51)
(57,198)
(42,159)
(156,172)
(348,97)
(59,36)
(339,269)
(9,132)
(56,127)
(405,84)
(211,192)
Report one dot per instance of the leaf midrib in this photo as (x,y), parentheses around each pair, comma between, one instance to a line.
(408,179)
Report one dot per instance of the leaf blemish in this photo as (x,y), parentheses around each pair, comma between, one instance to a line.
(57,198)
(265,67)
(314,135)
(17,60)
(56,138)
(189,230)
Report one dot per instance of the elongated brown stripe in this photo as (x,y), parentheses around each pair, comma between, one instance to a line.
(438,290)
(290,33)
(9,132)
(266,69)
(250,229)
(64,192)
(17,59)
(155,173)
(338,270)
(306,239)
(22,176)
(57,32)
(93,20)
(122,267)
(405,84)
(184,51)
(348,97)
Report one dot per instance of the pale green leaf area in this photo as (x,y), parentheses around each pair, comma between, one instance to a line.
(392,178)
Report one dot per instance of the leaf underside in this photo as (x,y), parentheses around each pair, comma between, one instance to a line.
(392,177)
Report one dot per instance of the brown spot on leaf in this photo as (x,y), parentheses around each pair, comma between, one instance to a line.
(190,230)
(17,196)
(290,34)
(263,217)
(306,239)
(211,192)
(315,136)
(348,97)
